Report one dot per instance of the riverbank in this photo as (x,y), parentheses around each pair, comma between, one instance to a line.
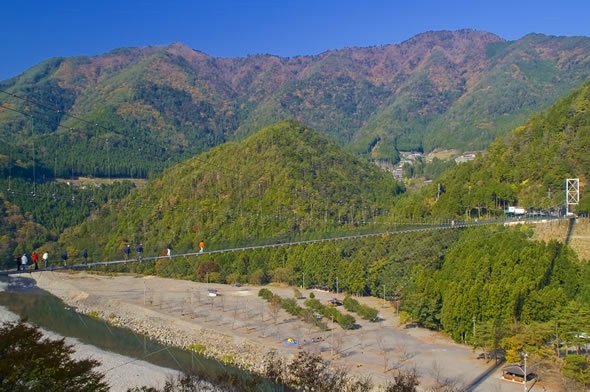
(237,327)
(121,372)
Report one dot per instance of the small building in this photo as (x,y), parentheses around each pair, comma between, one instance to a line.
(465,157)
(515,373)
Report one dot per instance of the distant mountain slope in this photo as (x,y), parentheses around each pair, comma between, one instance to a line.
(282,181)
(527,167)
(155,106)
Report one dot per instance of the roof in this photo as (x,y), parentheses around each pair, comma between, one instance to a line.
(515,369)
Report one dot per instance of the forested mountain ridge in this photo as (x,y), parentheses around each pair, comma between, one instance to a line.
(527,167)
(283,181)
(155,106)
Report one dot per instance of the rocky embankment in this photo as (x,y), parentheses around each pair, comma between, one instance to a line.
(212,344)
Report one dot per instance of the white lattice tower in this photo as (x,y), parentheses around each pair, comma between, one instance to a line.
(572,193)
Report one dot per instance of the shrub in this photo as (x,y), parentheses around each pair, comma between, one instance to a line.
(366,312)
(233,278)
(215,277)
(257,277)
(330,312)
(265,293)
(198,348)
(290,305)
(227,358)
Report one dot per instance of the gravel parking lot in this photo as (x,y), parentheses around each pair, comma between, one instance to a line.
(374,348)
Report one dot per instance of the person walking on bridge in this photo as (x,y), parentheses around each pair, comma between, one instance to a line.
(139,250)
(201,246)
(64,257)
(127,251)
(85,255)
(45,258)
(24,260)
(35,258)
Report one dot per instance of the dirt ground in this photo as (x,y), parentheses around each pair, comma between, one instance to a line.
(375,348)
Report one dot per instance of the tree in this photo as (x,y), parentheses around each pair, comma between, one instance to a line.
(403,382)
(282,275)
(274,367)
(29,362)
(577,367)
(275,307)
(308,370)
(205,268)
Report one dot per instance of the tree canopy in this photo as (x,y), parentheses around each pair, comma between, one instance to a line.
(30,362)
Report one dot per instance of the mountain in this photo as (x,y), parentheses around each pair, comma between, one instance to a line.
(147,108)
(527,167)
(281,182)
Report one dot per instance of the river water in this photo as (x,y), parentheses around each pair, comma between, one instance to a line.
(21,296)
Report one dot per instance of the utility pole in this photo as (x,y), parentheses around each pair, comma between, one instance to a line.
(336,285)
(332,339)
(33,144)
(473,319)
(525,375)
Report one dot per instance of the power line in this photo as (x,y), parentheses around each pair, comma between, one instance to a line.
(57,110)
(32,115)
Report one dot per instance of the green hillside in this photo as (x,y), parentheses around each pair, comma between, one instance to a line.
(533,76)
(282,182)
(145,109)
(528,167)
(18,234)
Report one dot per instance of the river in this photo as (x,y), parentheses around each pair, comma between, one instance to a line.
(21,296)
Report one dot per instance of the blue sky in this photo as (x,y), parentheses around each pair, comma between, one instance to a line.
(31,31)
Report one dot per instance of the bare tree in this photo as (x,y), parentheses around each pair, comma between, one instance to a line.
(384,349)
(442,383)
(403,356)
(338,343)
(274,307)
(403,382)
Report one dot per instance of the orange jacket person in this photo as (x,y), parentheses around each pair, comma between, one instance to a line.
(201,246)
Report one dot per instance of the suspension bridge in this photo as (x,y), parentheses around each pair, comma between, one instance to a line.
(405,229)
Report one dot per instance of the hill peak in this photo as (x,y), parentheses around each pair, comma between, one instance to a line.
(269,184)
(183,50)
(462,34)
